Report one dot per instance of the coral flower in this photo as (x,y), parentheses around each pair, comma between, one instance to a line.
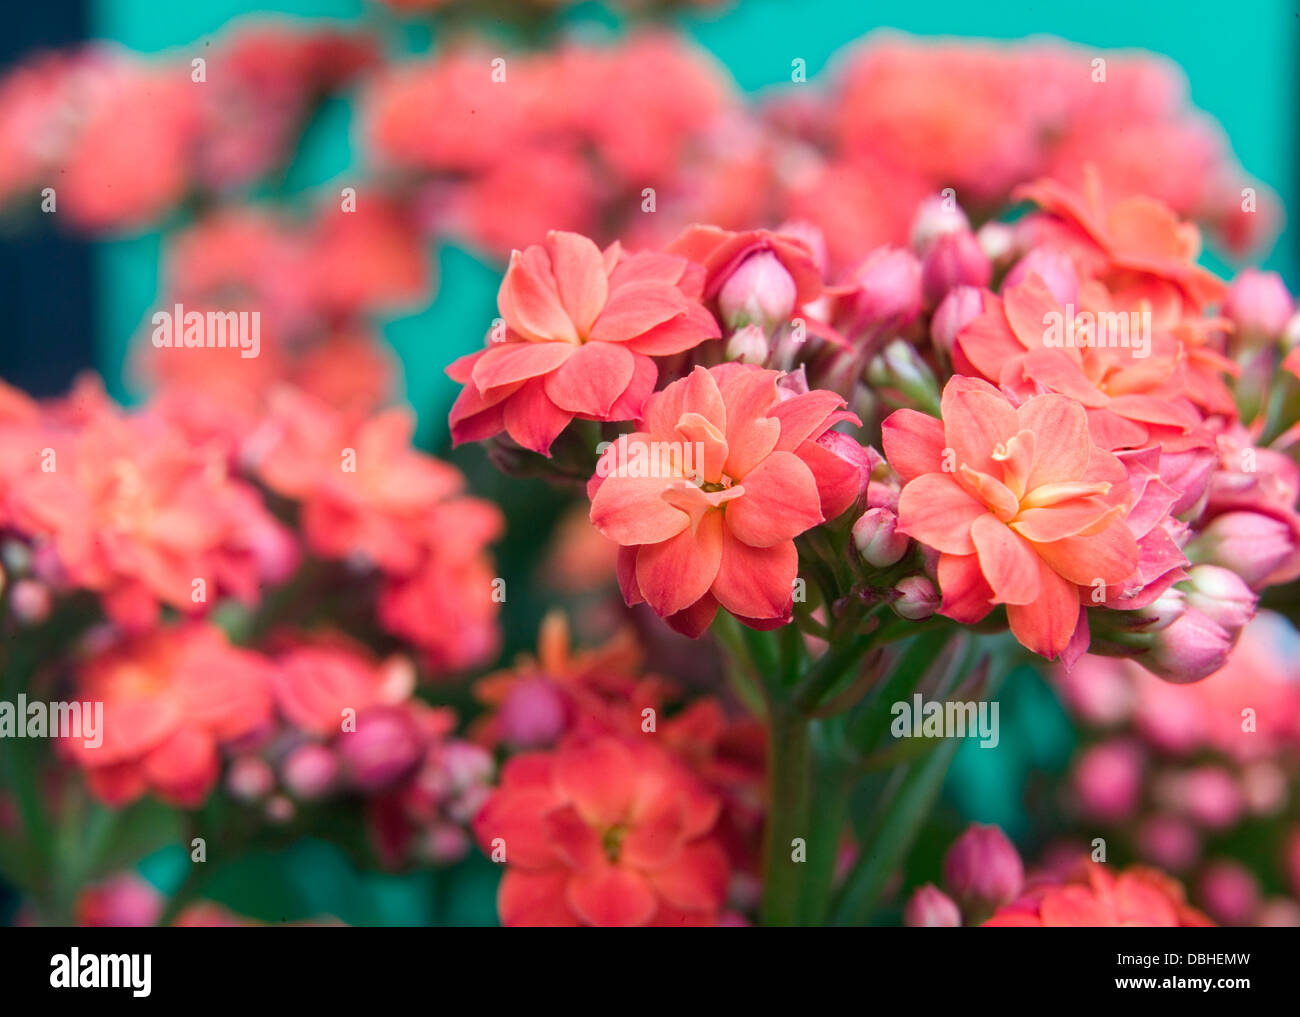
(605,833)
(1022,506)
(1138,235)
(315,683)
(139,515)
(1096,897)
(171,698)
(707,497)
(581,328)
(1132,397)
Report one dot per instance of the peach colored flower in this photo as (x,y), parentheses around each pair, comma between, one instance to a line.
(171,699)
(315,682)
(606,833)
(1131,399)
(1096,896)
(563,691)
(1022,506)
(138,514)
(581,328)
(707,497)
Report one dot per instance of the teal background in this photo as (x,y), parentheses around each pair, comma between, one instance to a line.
(1241,63)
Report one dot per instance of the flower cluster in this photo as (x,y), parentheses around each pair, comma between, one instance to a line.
(856,402)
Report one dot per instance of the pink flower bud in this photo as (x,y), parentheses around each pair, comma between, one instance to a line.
(955,259)
(983,870)
(877,539)
(124,901)
(1221,595)
(1264,787)
(1229,892)
(959,308)
(446,843)
(386,746)
(1108,780)
(1210,797)
(1190,649)
(1258,303)
(760,291)
(309,771)
(250,778)
(1169,842)
(533,714)
(888,289)
(1251,544)
(1052,266)
(916,598)
(748,345)
(30,601)
(937,216)
(931,908)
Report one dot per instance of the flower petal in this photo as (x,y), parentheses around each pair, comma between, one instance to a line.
(1007,561)
(674,574)
(592,380)
(612,898)
(756,582)
(531,418)
(780,502)
(579,277)
(913,443)
(938,511)
(1046,625)
(511,363)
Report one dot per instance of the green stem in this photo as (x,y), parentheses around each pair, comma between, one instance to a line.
(898,816)
(789,782)
(832,791)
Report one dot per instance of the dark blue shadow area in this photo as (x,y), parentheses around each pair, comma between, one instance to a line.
(45,276)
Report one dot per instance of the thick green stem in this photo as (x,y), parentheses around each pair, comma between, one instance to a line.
(789,786)
(832,791)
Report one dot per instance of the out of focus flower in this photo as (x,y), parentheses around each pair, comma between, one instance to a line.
(1095,895)
(604,833)
(982,869)
(1259,304)
(931,908)
(561,691)
(171,699)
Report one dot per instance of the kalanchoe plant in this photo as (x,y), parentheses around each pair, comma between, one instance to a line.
(1052,449)
(855,410)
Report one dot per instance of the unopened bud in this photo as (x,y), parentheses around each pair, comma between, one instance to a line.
(749,345)
(760,291)
(877,539)
(915,598)
(931,908)
(983,870)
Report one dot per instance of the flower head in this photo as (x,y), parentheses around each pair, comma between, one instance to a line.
(604,832)
(581,327)
(1022,506)
(707,497)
